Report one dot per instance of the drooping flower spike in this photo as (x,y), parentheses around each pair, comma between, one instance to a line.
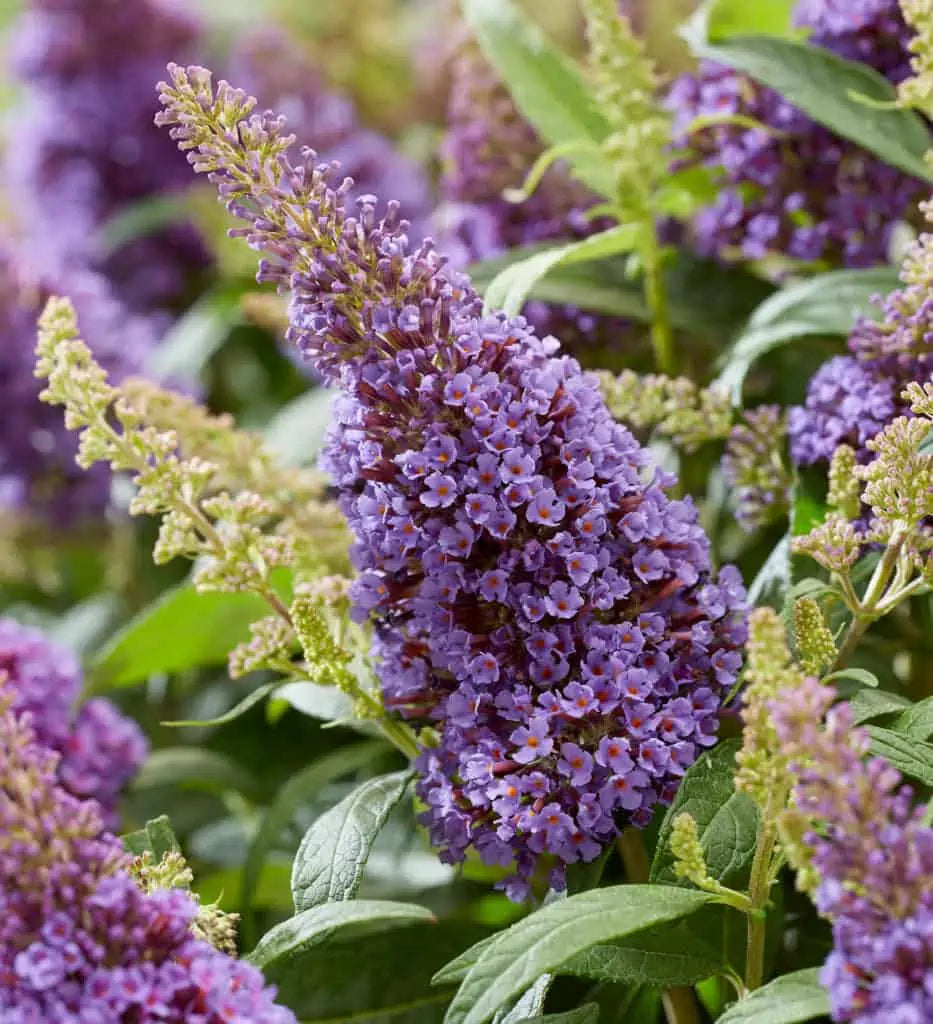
(537,597)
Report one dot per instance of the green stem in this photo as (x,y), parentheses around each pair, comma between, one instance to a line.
(680,1005)
(759,893)
(662,341)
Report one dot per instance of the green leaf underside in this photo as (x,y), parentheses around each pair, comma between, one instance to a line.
(868,704)
(371,977)
(351,919)
(299,790)
(909,756)
(916,723)
(545,84)
(790,999)
(727,821)
(586,1014)
(827,87)
(333,853)
(510,289)
(554,934)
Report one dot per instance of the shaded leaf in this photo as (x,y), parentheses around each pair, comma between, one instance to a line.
(773,577)
(545,84)
(530,1003)
(296,432)
(253,698)
(300,934)
(554,934)
(460,966)
(916,723)
(868,704)
(789,999)
(298,790)
(586,1014)
(197,334)
(333,853)
(859,675)
(194,768)
(727,821)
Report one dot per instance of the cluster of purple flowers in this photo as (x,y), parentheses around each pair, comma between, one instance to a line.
(537,597)
(86,147)
(488,149)
(874,858)
(79,942)
(853,397)
(38,473)
(793,187)
(99,748)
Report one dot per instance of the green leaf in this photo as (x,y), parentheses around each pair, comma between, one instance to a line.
(333,853)
(196,335)
(868,704)
(297,791)
(373,977)
(828,88)
(339,921)
(769,17)
(727,821)
(910,757)
(182,629)
(510,289)
(157,838)
(325,703)
(828,304)
(586,1014)
(253,698)
(789,999)
(859,675)
(681,953)
(916,723)
(296,433)
(704,297)
(546,85)
(193,768)
(144,217)
(529,1004)
(554,934)
(458,968)
(773,577)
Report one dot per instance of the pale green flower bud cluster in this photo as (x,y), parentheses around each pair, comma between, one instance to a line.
(917,91)
(675,407)
(762,766)
(813,639)
(845,489)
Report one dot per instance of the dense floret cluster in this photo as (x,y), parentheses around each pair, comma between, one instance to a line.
(537,597)
(99,748)
(873,857)
(792,186)
(79,941)
(86,147)
(853,397)
(37,468)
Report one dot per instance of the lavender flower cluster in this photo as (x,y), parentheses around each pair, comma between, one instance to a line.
(37,468)
(99,748)
(79,941)
(537,597)
(792,186)
(488,149)
(853,397)
(86,147)
(874,857)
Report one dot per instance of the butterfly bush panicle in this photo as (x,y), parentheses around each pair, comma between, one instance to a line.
(791,186)
(100,749)
(538,600)
(865,852)
(79,940)
(754,465)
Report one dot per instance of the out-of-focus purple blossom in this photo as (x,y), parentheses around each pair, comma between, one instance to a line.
(873,857)
(275,69)
(78,940)
(38,473)
(534,590)
(754,464)
(100,749)
(489,148)
(86,148)
(853,397)
(792,187)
